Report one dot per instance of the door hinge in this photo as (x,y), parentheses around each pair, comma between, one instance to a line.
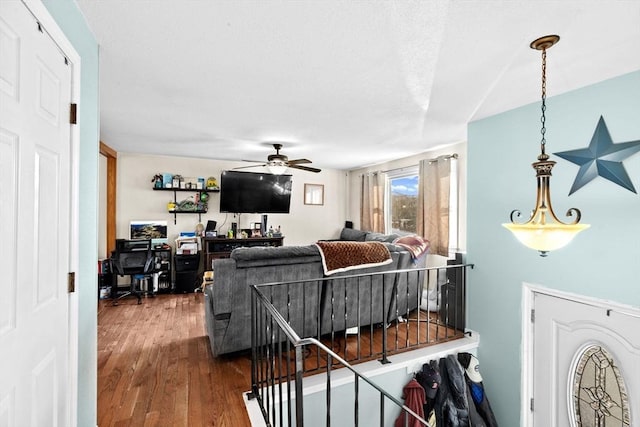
(531,405)
(73,114)
(71,282)
(533,315)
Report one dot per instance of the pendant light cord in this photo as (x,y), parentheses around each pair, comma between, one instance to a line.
(543,119)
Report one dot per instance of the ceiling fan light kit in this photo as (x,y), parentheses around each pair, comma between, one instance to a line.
(543,231)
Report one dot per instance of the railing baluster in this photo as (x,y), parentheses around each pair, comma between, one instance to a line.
(333,315)
(288,383)
(279,376)
(371,352)
(320,288)
(356,403)
(254,342)
(299,372)
(328,390)
(346,318)
(272,379)
(395,290)
(385,324)
(406,315)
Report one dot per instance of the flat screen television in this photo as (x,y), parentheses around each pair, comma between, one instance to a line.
(249,192)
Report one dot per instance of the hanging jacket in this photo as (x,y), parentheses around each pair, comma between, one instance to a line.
(451,401)
(414,399)
(477,393)
(430,380)
(475,419)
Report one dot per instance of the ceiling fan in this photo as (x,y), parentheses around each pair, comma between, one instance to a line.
(278,163)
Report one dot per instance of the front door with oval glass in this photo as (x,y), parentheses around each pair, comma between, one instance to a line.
(586,364)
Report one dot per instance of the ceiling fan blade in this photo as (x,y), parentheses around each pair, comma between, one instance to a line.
(254,161)
(304,168)
(299,161)
(252,166)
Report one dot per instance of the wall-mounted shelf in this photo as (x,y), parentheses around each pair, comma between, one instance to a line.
(199,212)
(193,190)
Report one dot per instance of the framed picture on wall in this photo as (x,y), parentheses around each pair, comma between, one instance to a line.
(314,194)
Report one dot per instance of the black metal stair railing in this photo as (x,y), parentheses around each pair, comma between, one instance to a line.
(315,326)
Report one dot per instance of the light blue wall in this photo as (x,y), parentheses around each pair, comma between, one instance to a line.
(601,262)
(71,21)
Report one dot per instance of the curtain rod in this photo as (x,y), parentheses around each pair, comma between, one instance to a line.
(447,156)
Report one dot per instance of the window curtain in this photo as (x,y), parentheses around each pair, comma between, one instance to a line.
(372,202)
(433,203)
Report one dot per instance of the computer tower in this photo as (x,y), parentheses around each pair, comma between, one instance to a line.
(186,267)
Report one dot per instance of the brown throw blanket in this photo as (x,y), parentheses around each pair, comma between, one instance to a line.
(343,256)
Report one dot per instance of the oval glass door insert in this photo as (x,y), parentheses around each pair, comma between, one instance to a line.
(599,396)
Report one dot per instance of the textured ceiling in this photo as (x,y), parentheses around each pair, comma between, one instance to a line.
(343,83)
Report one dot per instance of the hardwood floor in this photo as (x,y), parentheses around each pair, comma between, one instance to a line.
(155,367)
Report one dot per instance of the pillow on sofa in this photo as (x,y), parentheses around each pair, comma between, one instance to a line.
(352,235)
(415,244)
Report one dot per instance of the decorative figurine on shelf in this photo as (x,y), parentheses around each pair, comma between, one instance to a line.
(277,233)
(171,206)
(176,181)
(157,180)
(199,230)
(212,183)
(187,205)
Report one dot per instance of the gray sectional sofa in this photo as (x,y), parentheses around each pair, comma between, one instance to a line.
(308,307)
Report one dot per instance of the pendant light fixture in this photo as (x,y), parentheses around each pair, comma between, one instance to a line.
(543,231)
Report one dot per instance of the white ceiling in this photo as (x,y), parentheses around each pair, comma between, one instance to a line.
(343,83)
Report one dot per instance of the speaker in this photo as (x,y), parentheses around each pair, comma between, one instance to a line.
(264,225)
(234,228)
(348,224)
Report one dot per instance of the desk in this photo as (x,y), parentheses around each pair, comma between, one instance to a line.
(218,247)
(160,275)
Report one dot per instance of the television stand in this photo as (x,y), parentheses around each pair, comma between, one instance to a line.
(218,247)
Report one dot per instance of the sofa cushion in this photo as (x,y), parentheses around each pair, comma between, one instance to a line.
(260,255)
(379,237)
(353,235)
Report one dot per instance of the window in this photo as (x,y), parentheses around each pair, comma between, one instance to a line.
(403,201)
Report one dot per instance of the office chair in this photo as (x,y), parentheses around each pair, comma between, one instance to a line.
(131,258)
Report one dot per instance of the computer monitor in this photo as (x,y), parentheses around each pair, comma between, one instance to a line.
(156,231)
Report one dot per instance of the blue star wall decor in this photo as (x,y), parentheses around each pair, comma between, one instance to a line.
(603,158)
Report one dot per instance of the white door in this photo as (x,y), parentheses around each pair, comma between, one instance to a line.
(586,363)
(35,94)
